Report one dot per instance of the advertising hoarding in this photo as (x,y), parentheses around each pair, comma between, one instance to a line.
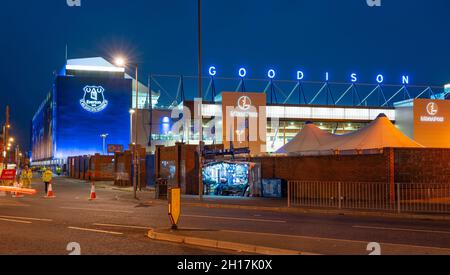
(244,120)
(432,122)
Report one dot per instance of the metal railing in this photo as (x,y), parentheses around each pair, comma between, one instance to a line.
(404,197)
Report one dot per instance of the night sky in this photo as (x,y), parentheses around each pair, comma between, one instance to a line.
(401,37)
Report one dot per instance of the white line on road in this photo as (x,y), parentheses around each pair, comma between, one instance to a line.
(93,209)
(123,226)
(13,204)
(236,219)
(16,221)
(95,230)
(402,229)
(25,218)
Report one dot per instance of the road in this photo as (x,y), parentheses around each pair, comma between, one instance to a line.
(117,224)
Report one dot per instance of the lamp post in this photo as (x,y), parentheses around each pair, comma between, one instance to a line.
(104,136)
(5,139)
(200,95)
(121,62)
(131,125)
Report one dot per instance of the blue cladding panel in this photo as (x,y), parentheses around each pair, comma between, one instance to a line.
(80,124)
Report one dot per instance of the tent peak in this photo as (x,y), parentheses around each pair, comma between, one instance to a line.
(382,115)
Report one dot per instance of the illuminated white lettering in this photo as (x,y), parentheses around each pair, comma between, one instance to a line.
(212,71)
(242,72)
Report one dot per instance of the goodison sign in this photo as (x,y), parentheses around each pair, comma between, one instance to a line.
(271,74)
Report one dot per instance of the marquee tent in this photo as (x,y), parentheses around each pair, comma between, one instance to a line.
(379,134)
(309,138)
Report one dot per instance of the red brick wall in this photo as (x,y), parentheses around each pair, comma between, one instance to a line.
(123,166)
(356,168)
(101,168)
(422,165)
(185,158)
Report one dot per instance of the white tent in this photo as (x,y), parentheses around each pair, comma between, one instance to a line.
(309,138)
(379,134)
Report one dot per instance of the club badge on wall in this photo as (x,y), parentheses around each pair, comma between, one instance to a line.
(94,99)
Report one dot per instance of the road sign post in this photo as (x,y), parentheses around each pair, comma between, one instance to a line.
(174,206)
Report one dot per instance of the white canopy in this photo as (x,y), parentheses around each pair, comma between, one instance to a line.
(309,138)
(381,133)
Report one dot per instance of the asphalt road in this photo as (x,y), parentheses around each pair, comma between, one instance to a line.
(117,224)
(35,225)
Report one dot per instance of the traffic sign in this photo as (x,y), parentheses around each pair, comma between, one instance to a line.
(8,174)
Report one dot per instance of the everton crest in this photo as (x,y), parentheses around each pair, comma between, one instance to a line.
(94,99)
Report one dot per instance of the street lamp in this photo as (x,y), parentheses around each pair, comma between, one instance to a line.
(121,62)
(200,95)
(104,136)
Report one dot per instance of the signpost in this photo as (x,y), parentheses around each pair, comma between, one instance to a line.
(113,148)
(174,206)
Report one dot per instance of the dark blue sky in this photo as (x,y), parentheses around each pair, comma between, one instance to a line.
(402,36)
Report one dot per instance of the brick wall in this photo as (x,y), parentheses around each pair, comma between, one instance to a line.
(357,168)
(184,159)
(101,168)
(123,165)
(422,165)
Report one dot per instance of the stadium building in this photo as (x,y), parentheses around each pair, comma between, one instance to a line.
(90,101)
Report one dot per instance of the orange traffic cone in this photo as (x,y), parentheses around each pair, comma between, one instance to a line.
(93,195)
(50,194)
(16,194)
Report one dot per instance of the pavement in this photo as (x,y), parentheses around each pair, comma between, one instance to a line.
(116,223)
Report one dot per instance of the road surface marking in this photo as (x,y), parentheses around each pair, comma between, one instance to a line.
(93,209)
(236,219)
(402,229)
(95,230)
(123,226)
(13,203)
(16,221)
(24,218)
(331,239)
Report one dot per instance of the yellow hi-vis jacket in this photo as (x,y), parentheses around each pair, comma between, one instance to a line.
(26,177)
(47,176)
(26,174)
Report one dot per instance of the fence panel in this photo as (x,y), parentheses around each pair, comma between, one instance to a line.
(409,197)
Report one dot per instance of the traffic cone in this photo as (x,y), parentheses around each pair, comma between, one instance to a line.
(50,194)
(16,194)
(93,195)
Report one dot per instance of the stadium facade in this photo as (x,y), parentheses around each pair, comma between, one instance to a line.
(91,97)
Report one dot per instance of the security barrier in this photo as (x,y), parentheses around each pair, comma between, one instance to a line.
(409,197)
